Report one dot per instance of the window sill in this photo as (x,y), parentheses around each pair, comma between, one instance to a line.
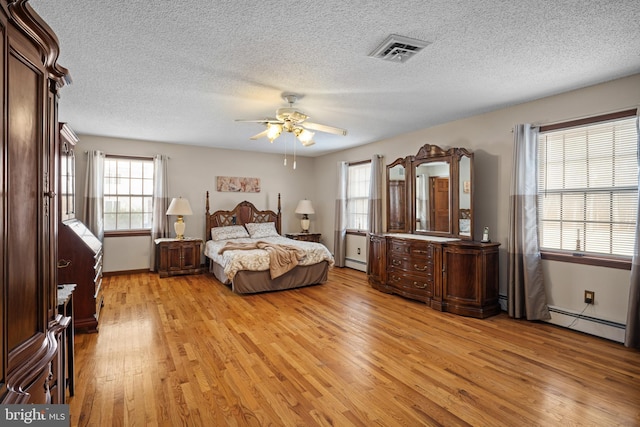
(588,259)
(127,233)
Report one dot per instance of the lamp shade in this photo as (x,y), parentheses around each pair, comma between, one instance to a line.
(305,207)
(179,206)
(306,137)
(273,131)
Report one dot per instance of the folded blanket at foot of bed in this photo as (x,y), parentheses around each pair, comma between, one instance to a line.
(282,258)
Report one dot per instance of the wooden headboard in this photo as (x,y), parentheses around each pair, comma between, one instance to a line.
(244,212)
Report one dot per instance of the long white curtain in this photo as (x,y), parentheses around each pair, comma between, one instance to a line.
(632,332)
(94,193)
(159,223)
(340,235)
(375,195)
(526,291)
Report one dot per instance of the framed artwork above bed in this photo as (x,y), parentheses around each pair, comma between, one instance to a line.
(238,184)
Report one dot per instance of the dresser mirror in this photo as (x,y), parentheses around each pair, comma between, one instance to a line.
(431,193)
(432,196)
(397,197)
(465,199)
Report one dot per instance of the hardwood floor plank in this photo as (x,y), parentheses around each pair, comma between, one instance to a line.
(188,351)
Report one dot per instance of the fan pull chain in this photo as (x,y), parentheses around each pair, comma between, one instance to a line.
(294,153)
(285,151)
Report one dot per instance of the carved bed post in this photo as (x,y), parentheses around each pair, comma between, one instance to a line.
(207,230)
(279,224)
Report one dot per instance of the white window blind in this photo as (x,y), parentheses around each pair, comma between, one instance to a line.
(588,188)
(358,196)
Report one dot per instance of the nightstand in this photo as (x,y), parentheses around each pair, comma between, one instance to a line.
(178,256)
(305,237)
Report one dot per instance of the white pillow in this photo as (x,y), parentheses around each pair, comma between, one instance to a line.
(262,229)
(228,232)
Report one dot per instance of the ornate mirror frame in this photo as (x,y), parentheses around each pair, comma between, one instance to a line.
(403,205)
(398,196)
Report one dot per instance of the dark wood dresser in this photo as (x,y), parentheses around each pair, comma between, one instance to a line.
(178,256)
(80,262)
(305,237)
(457,276)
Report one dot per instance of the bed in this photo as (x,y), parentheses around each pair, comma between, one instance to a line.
(246,250)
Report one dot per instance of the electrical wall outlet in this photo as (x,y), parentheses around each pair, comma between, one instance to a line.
(589,297)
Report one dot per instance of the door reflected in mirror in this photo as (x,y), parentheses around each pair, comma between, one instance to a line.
(432,197)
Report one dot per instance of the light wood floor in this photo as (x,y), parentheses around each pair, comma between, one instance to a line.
(187,351)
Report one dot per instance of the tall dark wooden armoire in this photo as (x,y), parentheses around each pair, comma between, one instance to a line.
(30,370)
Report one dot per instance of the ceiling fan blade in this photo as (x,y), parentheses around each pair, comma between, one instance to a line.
(265,121)
(260,135)
(325,128)
(308,143)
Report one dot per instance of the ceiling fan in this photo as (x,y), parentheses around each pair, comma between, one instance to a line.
(292,120)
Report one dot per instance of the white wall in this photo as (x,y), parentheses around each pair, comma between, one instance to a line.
(192,172)
(490,137)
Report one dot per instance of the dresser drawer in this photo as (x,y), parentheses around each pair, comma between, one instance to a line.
(411,248)
(98,258)
(413,265)
(417,285)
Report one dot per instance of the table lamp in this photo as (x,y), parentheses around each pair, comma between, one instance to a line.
(180,207)
(305,208)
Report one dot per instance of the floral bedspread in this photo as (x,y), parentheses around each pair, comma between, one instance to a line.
(258,259)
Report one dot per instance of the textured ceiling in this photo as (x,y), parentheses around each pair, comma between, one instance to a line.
(182,72)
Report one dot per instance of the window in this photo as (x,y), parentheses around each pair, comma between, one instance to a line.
(588,186)
(128,193)
(358,196)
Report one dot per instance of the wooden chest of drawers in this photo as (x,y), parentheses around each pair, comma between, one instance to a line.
(410,268)
(178,256)
(305,237)
(80,262)
(456,276)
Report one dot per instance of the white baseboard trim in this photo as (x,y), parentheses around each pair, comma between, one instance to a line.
(579,322)
(502,300)
(356,264)
(590,325)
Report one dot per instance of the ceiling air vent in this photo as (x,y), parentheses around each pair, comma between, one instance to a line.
(398,48)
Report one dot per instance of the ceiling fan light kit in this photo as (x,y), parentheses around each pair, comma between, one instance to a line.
(305,136)
(273,131)
(293,121)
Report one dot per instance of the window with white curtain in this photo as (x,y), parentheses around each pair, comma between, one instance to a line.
(588,187)
(128,193)
(358,196)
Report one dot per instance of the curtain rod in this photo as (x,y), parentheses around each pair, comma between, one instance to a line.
(588,116)
(128,157)
(629,111)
